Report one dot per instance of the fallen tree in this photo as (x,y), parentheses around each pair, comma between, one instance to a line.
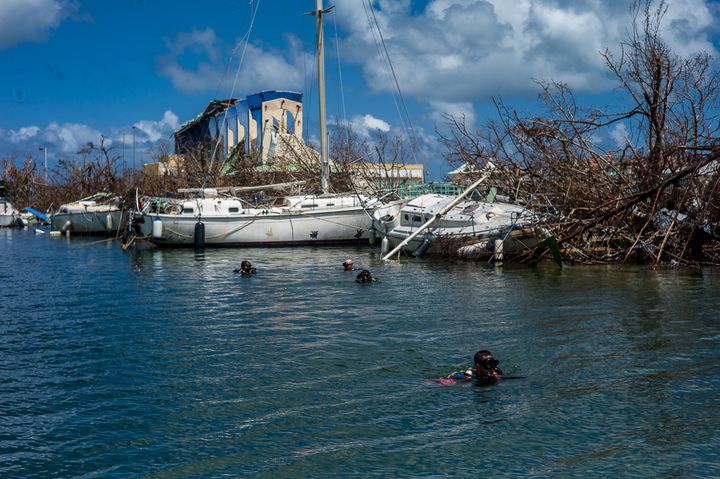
(652,198)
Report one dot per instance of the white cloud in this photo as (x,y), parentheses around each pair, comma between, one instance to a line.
(261,69)
(619,135)
(367,125)
(23,134)
(69,137)
(372,123)
(458,110)
(471,50)
(688,22)
(154,131)
(64,140)
(30,20)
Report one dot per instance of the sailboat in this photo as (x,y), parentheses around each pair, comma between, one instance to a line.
(458,226)
(218,217)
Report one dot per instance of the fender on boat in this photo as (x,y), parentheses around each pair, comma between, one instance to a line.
(157,228)
(372,236)
(199,236)
(422,248)
(384,245)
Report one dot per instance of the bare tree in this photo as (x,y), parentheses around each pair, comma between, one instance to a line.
(644,200)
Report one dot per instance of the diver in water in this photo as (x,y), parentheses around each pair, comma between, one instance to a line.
(486,368)
(365,276)
(348,264)
(246,269)
(485,371)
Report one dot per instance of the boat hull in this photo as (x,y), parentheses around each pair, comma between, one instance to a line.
(465,244)
(9,219)
(104,222)
(8,214)
(268,229)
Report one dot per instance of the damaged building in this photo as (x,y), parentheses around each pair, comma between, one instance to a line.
(255,126)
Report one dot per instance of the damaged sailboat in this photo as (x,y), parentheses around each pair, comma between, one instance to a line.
(457,226)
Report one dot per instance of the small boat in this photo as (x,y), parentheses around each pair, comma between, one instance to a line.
(431,223)
(8,215)
(99,214)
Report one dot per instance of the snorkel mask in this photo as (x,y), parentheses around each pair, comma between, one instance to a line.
(489,363)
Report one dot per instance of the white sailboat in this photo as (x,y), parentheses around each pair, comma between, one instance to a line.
(218,217)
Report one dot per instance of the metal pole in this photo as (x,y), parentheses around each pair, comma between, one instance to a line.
(324,154)
(133,132)
(42,148)
(124,162)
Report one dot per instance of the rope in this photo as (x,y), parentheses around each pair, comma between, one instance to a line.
(400,104)
(223,124)
(340,77)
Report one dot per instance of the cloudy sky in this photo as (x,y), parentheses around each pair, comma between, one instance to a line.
(72,70)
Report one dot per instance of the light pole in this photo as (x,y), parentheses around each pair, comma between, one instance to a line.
(42,148)
(133,131)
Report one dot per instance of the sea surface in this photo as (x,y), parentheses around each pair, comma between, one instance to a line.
(163,363)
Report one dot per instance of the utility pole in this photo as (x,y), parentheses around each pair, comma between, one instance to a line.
(42,148)
(133,131)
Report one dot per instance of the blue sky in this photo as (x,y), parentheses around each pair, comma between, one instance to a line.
(71,70)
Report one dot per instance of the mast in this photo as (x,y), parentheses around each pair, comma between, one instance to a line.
(324,155)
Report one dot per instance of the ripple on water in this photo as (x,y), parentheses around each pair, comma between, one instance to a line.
(165,364)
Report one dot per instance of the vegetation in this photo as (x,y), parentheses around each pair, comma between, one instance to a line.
(654,198)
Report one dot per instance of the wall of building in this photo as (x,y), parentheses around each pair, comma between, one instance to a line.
(252,123)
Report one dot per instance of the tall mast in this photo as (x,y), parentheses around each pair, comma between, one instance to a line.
(324,155)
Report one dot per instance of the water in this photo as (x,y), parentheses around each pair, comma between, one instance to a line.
(165,364)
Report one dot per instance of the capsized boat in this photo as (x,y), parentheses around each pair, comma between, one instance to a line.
(99,214)
(468,228)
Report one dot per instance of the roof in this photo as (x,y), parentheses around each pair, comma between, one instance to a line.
(464,168)
(216,107)
(213,109)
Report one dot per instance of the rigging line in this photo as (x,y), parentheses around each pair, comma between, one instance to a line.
(223,124)
(394,91)
(229,62)
(397,85)
(382,59)
(309,82)
(304,58)
(342,89)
